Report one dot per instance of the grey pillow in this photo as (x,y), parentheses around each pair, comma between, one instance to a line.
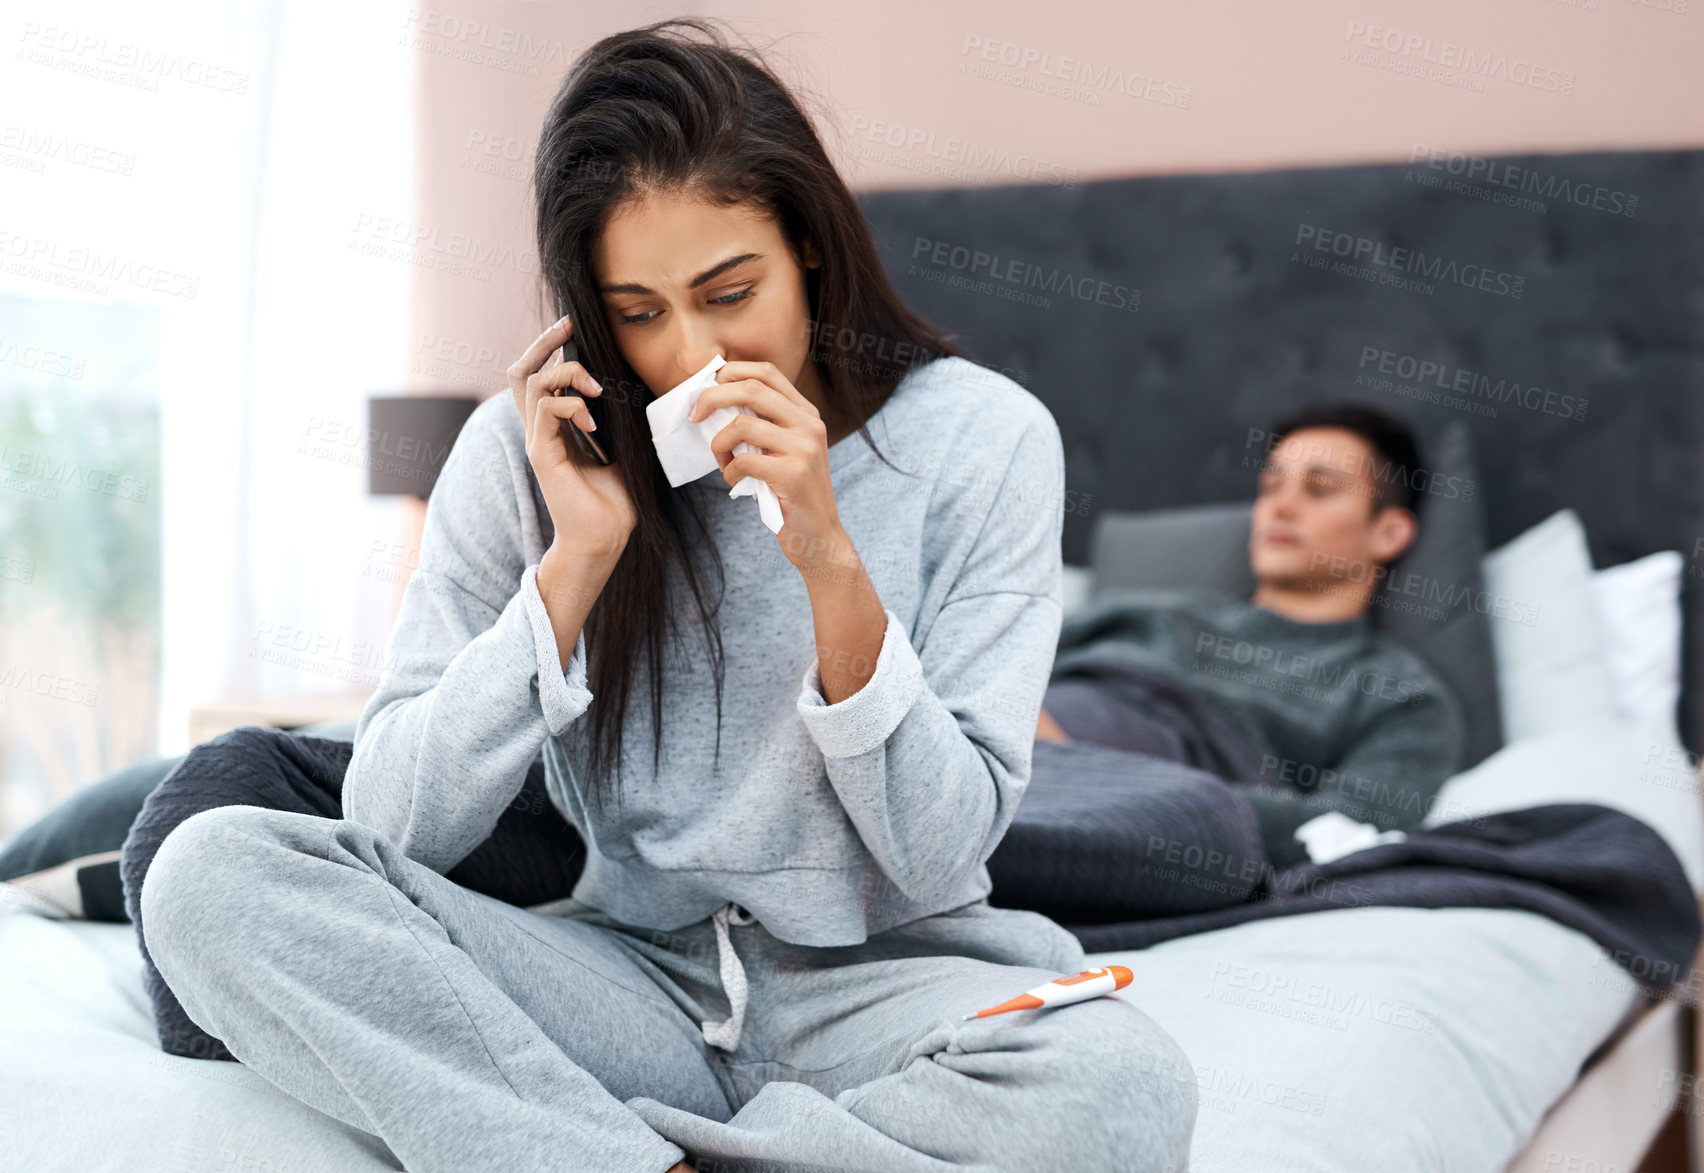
(1433,600)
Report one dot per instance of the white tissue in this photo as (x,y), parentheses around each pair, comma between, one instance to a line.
(683,445)
(1334,834)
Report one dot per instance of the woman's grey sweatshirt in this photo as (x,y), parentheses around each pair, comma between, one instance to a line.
(829,822)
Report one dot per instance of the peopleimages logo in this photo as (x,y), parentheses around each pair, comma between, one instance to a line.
(966,153)
(1470,383)
(1351,572)
(1078,71)
(1526,180)
(1449,55)
(127,62)
(1408,260)
(1016,273)
(81,267)
(1314,669)
(1378,470)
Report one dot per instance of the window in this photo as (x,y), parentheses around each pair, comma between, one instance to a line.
(182,300)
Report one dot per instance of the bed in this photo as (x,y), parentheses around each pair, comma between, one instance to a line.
(1389,1038)
(1338,1041)
(1165,320)
(1376,1038)
(1345,1040)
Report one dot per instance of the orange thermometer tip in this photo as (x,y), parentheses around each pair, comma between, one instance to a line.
(1079,987)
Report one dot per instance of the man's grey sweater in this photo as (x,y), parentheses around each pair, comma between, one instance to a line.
(1343,717)
(829,822)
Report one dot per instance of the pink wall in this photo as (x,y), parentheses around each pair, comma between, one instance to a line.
(914,94)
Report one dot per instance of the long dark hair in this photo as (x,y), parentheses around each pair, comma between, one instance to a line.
(655,108)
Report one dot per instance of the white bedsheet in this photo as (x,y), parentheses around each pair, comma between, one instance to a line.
(1338,1042)
(1405,1039)
(84,1085)
(1375,1038)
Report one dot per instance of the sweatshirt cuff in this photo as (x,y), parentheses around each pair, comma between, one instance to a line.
(563,695)
(864,720)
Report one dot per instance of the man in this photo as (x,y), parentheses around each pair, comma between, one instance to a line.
(1288,693)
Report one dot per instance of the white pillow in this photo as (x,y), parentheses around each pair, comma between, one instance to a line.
(1608,761)
(1078,584)
(1552,671)
(1638,607)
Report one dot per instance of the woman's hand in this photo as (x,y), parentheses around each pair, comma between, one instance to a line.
(794,462)
(588,503)
(850,623)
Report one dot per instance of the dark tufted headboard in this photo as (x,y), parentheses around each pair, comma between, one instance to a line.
(1553,302)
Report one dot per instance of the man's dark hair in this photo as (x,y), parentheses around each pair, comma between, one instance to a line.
(1396,454)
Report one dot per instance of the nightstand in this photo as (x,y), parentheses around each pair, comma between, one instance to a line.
(288,712)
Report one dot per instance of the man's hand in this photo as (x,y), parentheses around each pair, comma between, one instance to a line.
(1047,729)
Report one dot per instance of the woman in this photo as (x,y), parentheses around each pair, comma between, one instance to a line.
(782,918)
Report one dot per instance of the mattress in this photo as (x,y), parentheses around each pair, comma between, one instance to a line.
(1404,1039)
(1377,1038)
(1372,1038)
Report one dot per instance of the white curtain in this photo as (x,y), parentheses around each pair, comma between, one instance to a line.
(311,583)
(258,143)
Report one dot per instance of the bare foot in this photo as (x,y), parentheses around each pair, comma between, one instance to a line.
(680,1167)
(1047,729)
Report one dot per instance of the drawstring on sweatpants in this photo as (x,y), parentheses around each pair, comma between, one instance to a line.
(726,1034)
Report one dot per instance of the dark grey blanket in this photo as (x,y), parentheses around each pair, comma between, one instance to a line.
(1586,866)
(1110,700)
(1126,850)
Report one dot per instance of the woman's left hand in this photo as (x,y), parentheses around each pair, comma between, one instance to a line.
(794,460)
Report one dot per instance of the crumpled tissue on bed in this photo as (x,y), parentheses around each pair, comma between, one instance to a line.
(683,445)
(1335,834)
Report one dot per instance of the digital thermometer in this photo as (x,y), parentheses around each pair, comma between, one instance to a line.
(1079,987)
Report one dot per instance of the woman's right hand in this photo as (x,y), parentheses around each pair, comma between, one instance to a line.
(589,506)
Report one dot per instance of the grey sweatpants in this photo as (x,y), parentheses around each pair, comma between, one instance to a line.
(470,1034)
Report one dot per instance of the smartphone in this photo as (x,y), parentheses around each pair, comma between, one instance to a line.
(590,444)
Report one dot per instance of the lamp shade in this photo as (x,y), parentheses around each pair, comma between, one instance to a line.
(408,439)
